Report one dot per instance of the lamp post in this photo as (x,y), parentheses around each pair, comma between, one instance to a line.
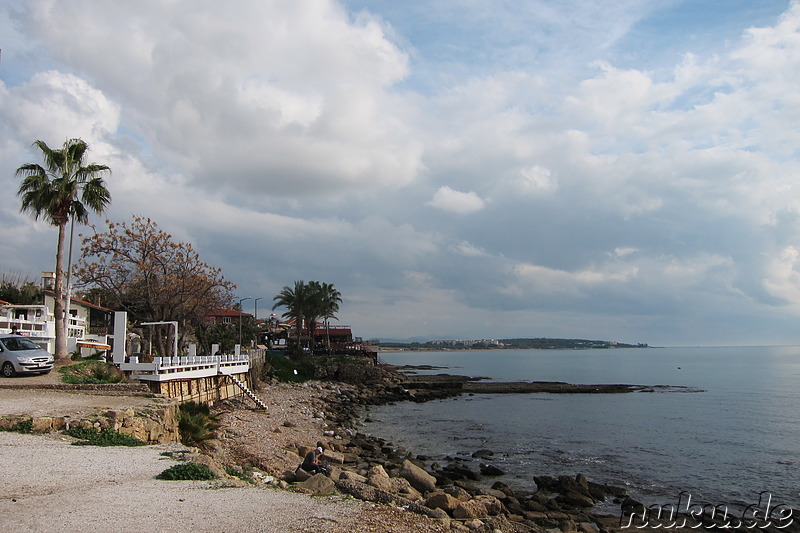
(255,316)
(240,319)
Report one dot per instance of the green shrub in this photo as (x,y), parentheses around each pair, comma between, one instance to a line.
(23,426)
(196,424)
(187,471)
(91,373)
(76,356)
(104,437)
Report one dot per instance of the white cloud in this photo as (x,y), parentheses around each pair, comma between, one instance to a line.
(535,179)
(454,201)
(288,140)
(299,91)
(783,276)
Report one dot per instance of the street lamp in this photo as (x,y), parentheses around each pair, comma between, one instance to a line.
(255,318)
(240,319)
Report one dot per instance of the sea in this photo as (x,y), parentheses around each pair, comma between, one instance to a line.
(732,438)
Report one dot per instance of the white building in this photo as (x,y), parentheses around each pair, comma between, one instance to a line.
(88,328)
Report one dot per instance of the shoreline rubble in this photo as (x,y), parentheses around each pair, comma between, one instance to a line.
(373,469)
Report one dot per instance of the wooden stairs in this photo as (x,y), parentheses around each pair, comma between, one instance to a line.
(250,394)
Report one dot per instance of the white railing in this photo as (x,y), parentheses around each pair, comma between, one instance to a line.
(189,367)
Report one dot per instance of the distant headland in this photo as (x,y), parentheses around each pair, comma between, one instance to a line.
(507,344)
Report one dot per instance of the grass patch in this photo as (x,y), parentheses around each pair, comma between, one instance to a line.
(103,437)
(187,472)
(284,369)
(91,373)
(240,473)
(23,426)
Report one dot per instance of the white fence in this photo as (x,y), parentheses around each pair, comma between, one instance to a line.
(169,368)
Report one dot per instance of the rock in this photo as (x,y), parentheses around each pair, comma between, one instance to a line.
(301,475)
(318,484)
(474,525)
(209,463)
(438,514)
(492,492)
(470,509)
(333,457)
(535,506)
(353,477)
(365,492)
(402,486)
(491,470)
(548,483)
(457,493)
(378,478)
(442,500)
(493,505)
(417,477)
(482,453)
(588,527)
(631,506)
(576,499)
(454,471)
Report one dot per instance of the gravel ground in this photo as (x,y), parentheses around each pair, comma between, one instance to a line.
(48,485)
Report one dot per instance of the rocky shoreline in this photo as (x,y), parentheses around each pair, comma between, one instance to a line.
(450,496)
(373,469)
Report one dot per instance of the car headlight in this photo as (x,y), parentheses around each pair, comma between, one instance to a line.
(24,360)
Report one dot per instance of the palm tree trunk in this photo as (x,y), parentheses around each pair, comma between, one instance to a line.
(58,308)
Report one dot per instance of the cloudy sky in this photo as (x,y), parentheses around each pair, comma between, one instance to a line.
(624,170)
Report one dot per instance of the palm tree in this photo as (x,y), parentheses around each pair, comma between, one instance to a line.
(293,299)
(330,300)
(64,188)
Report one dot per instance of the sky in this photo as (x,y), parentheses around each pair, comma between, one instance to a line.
(625,171)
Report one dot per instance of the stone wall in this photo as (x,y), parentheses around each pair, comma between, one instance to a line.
(153,424)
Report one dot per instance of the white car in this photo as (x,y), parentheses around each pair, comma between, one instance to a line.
(19,355)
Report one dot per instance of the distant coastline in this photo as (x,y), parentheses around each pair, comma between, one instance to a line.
(506,344)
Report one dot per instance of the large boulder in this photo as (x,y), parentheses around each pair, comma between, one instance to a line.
(493,505)
(442,500)
(378,478)
(352,476)
(457,493)
(301,475)
(470,509)
(365,492)
(318,484)
(404,488)
(417,477)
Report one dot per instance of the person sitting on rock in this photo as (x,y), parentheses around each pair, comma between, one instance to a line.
(312,464)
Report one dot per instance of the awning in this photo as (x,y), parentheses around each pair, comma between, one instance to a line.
(93,344)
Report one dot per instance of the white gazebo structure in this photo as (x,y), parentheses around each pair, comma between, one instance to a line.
(204,378)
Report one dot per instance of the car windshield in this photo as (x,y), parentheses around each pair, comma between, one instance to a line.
(20,344)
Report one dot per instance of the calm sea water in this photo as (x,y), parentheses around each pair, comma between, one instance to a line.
(739,437)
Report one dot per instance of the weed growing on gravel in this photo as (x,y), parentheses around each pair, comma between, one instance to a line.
(91,373)
(187,471)
(240,473)
(104,437)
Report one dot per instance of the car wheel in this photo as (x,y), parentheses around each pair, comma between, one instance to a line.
(8,370)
